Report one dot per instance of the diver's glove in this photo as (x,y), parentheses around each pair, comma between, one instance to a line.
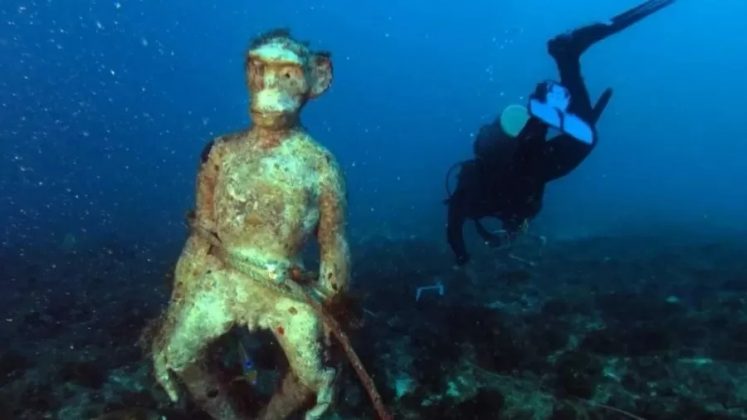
(549,104)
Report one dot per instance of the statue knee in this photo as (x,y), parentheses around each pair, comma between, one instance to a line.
(164,375)
(324,389)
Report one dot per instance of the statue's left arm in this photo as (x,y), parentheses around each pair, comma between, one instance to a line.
(334,268)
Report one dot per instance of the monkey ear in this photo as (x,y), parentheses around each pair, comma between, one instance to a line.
(321,74)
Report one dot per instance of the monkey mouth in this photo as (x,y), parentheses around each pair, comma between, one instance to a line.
(268,113)
(273,118)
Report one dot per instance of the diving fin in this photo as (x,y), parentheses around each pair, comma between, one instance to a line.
(625,19)
(579,40)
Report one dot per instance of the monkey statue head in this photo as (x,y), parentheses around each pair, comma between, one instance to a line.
(282,75)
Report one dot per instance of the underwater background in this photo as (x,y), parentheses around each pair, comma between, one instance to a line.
(106,105)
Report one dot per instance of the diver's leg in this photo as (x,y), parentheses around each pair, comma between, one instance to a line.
(568,61)
(563,154)
(567,49)
(455,227)
(459,206)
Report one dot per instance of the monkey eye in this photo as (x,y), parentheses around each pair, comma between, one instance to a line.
(258,65)
(292,71)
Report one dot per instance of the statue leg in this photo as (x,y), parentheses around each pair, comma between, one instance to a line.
(299,332)
(291,396)
(192,323)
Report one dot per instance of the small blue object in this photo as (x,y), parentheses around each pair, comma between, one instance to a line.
(549,103)
(438,287)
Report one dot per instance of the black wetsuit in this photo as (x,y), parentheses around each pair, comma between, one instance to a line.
(512,189)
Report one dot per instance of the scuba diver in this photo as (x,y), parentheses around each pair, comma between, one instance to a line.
(514,160)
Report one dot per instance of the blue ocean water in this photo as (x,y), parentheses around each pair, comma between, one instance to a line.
(106,105)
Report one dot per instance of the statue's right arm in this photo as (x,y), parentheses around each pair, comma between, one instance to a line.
(201,220)
(206,180)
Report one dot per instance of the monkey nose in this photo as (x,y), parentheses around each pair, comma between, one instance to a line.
(273,100)
(271,80)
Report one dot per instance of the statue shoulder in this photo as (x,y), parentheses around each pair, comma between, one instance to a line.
(327,161)
(218,145)
(328,170)
(328,166)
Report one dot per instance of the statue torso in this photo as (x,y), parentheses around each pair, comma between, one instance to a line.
(266,198)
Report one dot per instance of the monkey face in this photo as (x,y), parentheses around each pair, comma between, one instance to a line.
(282,75)
(277,87)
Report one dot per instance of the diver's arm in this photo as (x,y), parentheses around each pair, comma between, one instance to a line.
(454,228)
(334,267)
(514,227)
(491,239)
